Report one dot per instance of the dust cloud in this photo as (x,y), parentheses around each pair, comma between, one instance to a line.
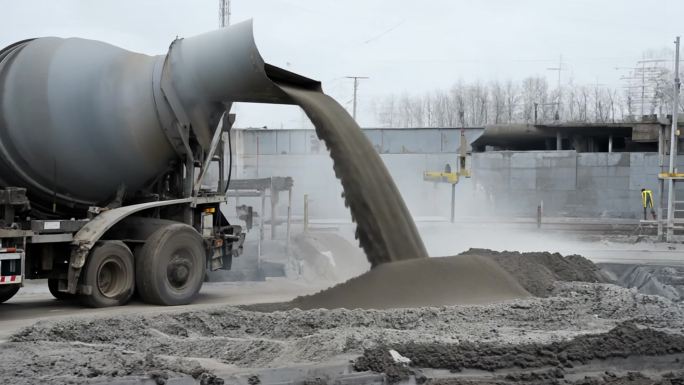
(385,229)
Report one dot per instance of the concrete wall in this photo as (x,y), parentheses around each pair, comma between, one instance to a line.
(569,183)
(503,183)
(385,141)
(407,153)
(313,175)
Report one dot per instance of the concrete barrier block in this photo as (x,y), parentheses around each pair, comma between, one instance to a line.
(598,171)
(587,159)
(636,159)
(556,179)
(523,179)
(490,160)
(652,160)
(524,160)
(616,159)
(619,171)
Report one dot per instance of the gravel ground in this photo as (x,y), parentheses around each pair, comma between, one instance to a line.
(623,341)
(177,344)
(569,327)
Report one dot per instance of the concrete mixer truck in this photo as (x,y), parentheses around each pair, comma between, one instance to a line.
(103,159)
(104,154)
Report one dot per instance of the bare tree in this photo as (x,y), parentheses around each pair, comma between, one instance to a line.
(571,106)
(512,98)
(477,104)
(498,102)
(428,107)
(456,115)
(386,112)
(535,99)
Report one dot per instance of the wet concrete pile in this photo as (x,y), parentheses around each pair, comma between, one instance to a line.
(454,280)
(477,276)
(538,272)
(533,362)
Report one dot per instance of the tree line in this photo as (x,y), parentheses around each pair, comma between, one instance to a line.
(531,100)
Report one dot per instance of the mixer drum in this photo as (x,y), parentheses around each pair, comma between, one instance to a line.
(77,119)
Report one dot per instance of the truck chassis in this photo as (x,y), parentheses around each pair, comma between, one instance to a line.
(159,243)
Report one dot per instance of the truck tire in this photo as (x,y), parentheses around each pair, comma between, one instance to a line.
(8,291)
(170,267)
(53,285)
(111,275)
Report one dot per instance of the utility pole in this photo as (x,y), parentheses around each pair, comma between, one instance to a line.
(224,13)
(356,88)
(673,148)
(558,100)
(643,88)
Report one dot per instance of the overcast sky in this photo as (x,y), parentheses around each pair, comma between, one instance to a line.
(403,46)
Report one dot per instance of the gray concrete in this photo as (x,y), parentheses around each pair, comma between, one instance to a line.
(385,140)
(568,183)
(406,152)
(504,183)
(313,175)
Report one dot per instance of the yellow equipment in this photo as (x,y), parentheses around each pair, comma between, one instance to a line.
(447,176)
(442,177)
(674,175)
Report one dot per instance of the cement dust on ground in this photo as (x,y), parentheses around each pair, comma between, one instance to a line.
(34,302)
(569,328)
(246,342)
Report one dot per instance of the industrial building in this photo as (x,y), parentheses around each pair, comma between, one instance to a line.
(580,170)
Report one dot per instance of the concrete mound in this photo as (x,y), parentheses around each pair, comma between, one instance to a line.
(478,276)
(457,280)
(537,272)
(665,281)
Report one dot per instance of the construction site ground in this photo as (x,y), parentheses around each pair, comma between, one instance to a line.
(563,324)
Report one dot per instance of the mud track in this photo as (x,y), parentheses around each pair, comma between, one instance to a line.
(624,341)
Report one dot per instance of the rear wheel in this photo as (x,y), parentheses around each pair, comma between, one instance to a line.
(110,275)
(8,291)
(53,286)
(170,268)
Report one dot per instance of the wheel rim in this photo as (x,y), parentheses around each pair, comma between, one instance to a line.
(111,278)
(179,270)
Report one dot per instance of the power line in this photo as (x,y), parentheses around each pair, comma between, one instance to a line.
(385,32)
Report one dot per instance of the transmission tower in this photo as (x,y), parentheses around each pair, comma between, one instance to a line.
(224,13)
(645,84)
(560,69)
